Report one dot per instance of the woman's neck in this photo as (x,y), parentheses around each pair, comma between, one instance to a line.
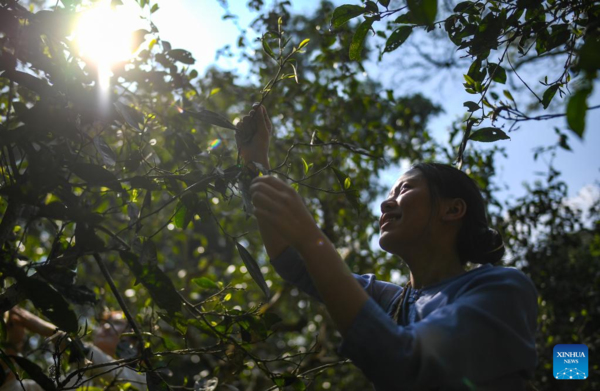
(431,267)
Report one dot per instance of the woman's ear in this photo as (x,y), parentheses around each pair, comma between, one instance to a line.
(453,209)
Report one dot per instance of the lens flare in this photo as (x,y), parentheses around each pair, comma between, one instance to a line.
(214,144)
(104,35)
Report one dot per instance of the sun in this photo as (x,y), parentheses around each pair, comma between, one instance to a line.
(104,35)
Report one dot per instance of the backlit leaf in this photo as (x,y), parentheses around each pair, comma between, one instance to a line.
(423,11)
(131,116)
(303,43)
(359,38)
(344,13)
(472,106)
(576,111)
(182,56)
(108,155)
(548,95)
(267,47)
(488,135)
(205,283)
(350,192)
(397,38)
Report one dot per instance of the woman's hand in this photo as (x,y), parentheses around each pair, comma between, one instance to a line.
(257,127)
(282,208)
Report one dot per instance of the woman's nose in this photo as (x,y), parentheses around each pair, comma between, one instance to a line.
(388,205)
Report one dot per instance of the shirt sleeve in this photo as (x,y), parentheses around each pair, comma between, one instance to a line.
(109,374)
(290,266)
(487,333)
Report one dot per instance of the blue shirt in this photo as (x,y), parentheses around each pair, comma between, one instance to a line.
(472,331)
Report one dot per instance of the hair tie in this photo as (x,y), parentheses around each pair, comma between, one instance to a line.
(496,249)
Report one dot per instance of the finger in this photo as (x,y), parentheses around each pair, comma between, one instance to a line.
(276,183)
(265,120)
(264,202)
(265,189)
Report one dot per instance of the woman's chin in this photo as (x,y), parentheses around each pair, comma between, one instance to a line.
(387,242)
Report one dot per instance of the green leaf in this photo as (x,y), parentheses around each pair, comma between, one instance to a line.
(576,111)
(359,38)
(205,283)
(182,56)
(508,95)
(303,43)
(154,8)
(267,47)
(424,11)
(50,303)
(351,193)
(488,135)
(406,18)
(385,3)
(155,382)
(397,38)
(35,373)
(344,13)
(97,176)
(305,166)
(460,7)
(210,117)
(469,80)
(548,95)
(86,238)
(589,56)
(108,155)
(133,117)
(371,6)
(183,216)
(253,269)
(498,72)
(158,284)
(472,106)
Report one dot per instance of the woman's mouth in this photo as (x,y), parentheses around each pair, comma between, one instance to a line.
(388,220)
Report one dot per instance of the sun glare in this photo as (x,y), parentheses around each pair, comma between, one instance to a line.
(104,35)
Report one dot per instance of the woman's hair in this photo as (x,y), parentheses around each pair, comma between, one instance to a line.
(476,242)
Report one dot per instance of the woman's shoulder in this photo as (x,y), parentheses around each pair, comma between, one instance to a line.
(505,280)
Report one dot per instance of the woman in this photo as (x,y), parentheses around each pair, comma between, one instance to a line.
(106,337)
(448,328)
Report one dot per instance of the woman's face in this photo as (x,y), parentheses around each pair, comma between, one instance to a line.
(106,335)
(406,214)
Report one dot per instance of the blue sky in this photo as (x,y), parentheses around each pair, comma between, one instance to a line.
(205,32)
